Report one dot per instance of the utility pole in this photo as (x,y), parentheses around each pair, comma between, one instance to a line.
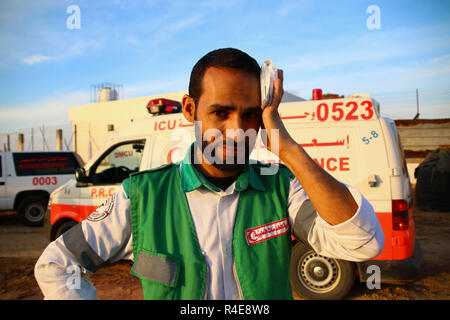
(59,140)
(75,142)
(417,104)
(21,142)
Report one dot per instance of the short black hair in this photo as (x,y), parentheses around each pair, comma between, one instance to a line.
(226,58)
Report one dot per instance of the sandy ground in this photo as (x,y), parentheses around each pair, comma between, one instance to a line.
(21,246)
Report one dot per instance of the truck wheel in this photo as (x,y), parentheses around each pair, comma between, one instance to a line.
(317,277)
(31,211)
(64,227)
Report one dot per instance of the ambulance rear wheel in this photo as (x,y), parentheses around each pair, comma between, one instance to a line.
(63,227)
(31,210)
(318,277)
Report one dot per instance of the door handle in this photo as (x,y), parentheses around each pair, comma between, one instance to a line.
(373,180)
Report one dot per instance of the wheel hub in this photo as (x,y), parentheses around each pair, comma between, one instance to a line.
(34,212)
(318,273)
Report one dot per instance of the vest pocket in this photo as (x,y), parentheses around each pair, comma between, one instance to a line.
(157,267)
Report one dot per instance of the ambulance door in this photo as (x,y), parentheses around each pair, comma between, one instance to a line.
(107,173)
(406,185)
(2,184)
(170,147)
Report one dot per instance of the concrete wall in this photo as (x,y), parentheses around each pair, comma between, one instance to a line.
(421,136)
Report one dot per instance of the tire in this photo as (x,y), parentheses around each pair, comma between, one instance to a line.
(64,227)
(31,210)
(317,277)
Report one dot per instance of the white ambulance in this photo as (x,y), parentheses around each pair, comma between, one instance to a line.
(28,178)
(346,136)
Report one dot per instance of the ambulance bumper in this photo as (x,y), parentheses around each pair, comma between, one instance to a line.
(394,271)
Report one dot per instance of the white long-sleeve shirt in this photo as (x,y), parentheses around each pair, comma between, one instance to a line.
(110,239)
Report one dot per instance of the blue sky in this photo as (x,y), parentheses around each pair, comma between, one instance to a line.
(151,46)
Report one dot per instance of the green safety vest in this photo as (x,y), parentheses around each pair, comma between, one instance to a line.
(167,255)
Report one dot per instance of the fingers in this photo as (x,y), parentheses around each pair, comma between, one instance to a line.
(278,90)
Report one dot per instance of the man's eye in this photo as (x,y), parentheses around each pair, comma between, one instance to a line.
(221,113)
(253,114)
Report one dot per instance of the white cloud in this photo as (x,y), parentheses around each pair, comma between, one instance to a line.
(67,51)
(53,110)
(167,30)
(48,111)
(423,75)
(131,39)
(426,111)
(156,87)
(368,49)
(37,58)
(286,8)
(185,23)
(441,59)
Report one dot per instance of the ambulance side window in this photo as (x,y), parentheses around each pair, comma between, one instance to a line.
(117,163)
(44,163)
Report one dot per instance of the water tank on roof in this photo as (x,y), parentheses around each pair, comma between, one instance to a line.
(107,94)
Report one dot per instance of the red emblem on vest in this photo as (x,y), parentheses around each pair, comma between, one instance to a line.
(103,210)
(267,231)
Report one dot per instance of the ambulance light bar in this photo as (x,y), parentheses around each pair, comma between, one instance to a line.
(163,106)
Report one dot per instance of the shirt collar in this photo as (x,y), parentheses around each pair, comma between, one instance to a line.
(192,179)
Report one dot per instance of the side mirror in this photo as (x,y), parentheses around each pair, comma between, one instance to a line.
(80,175)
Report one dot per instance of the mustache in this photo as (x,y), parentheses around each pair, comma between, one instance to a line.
(225,153)
(227,144)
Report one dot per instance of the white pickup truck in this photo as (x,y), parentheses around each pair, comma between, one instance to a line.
(28,178)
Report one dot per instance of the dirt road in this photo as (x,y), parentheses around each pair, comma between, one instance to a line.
(21,246)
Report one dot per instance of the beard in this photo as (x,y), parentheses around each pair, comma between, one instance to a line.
(214,151)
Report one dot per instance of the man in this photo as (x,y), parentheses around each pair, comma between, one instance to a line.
(213,227)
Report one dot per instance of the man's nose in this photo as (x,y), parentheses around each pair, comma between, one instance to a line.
(236,131)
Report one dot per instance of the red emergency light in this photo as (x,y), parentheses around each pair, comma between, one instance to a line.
(163,106)
(317,94)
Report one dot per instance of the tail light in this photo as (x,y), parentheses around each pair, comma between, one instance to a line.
(400,215)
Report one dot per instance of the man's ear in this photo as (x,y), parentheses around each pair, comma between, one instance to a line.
(188,108)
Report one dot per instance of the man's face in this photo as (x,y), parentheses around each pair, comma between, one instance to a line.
(229,104)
